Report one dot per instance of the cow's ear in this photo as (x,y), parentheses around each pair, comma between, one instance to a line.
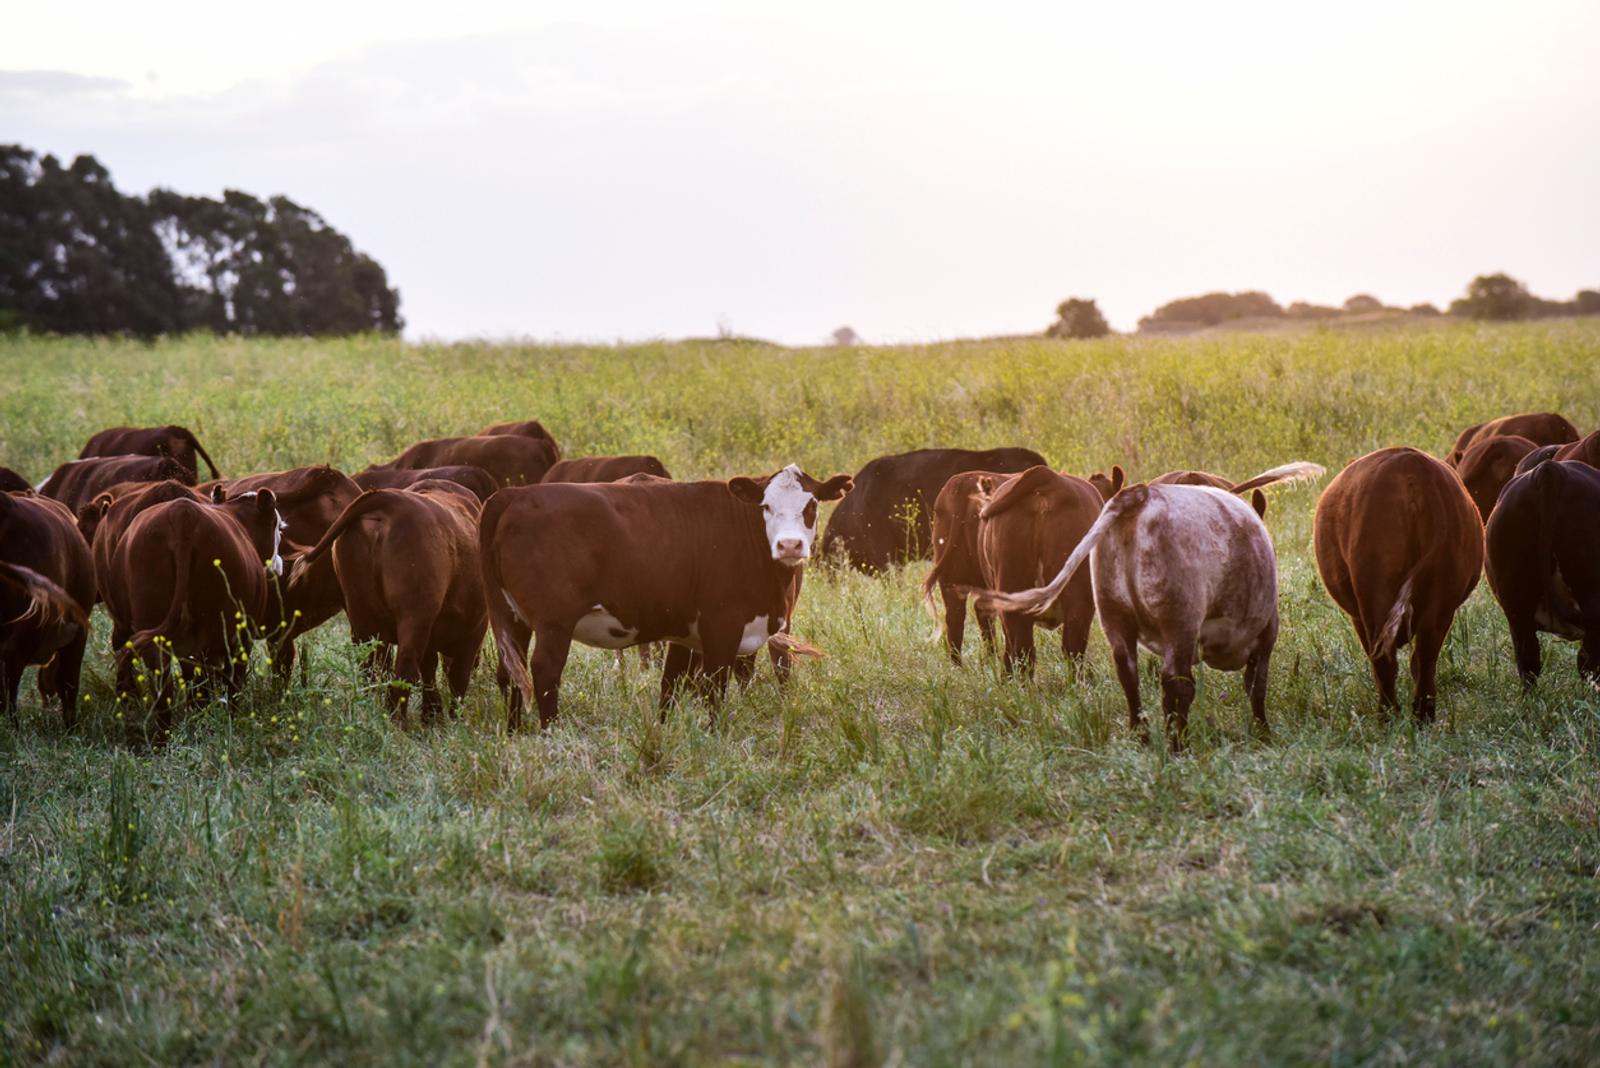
(219,494)
(748,490)
(1118,477)
(834,488)
(266,502)
(1258,501)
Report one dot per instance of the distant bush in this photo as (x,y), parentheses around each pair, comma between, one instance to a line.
(1494,296)
(1302,310)
(1362,304)
(1214,308)
(1423,309)
(1078,318)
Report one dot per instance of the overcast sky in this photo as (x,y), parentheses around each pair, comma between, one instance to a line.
(603,170)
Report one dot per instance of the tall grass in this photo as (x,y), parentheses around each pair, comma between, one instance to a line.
(893,859)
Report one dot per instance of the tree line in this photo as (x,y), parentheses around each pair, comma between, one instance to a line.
(77,256)
(1488,296)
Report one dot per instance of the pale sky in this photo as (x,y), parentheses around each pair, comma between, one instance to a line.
(601,171)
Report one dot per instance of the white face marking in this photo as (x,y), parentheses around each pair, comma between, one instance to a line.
(277,540)
(603,630)
(784,507)
(754,636)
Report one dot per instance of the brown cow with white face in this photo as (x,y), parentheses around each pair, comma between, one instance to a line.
(708,566)
(1026,530)
(513,460)
(1488,464)
(1399,546)
(77,482)
(46,592)
(309,500)
(175,441)
(1189,572)
(605,468)
(1541,428)
(407,565)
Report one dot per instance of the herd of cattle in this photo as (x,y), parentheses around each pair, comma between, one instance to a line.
(457,537)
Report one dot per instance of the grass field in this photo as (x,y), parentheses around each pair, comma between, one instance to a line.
(891,860)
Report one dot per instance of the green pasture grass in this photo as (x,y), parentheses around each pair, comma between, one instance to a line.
(892,859)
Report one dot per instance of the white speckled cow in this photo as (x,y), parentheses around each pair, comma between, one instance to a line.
(710,567)
(1189,572)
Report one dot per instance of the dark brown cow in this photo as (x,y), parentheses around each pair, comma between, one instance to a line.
(1026,531)
(46,592)
(476,479)
(887,517)
(605,468)
(1543,560)
(1488,464)
(309,500)
(955,555)
(708,566)
(1586,451)
(174,441)
(407,563)
(195,576)
(1541,428)
(1190,573)
(77,482)
(529,428)
(510,459)
(1399,546)
(11,482)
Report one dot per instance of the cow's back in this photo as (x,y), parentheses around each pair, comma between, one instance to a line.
(42,535)
(886,518)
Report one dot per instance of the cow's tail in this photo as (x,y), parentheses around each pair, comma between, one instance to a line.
(1298,471)
(181,549)
(201,450)
(354,512)
(1545,478)
(513,658)
(928,585)
(49,605)
(1395,632)
(788,643)
(1037,601)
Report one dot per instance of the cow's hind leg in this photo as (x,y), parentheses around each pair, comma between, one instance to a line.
(1255,683)
(673,668)
(1020,654)
(1177,690)
(1125,658)
(550,648)
(68,669)
(955,622)
(1424,671)
(432,703)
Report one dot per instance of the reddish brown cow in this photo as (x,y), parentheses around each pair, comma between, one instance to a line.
(174,441)
(309,500)
(530,428)
(476,479)
(1399,546)
(1190,573)
(104,520)
(194,575)
(1542,562)
(1586,451)
(77,482)
(1488,464)
(708,566)
(1026,531)
(1541,428)
(11,482)
(407,563)
(46,592)
(512,460)
(604,468)
(955,555)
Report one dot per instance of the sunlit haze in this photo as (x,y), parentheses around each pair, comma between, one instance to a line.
(605,171)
